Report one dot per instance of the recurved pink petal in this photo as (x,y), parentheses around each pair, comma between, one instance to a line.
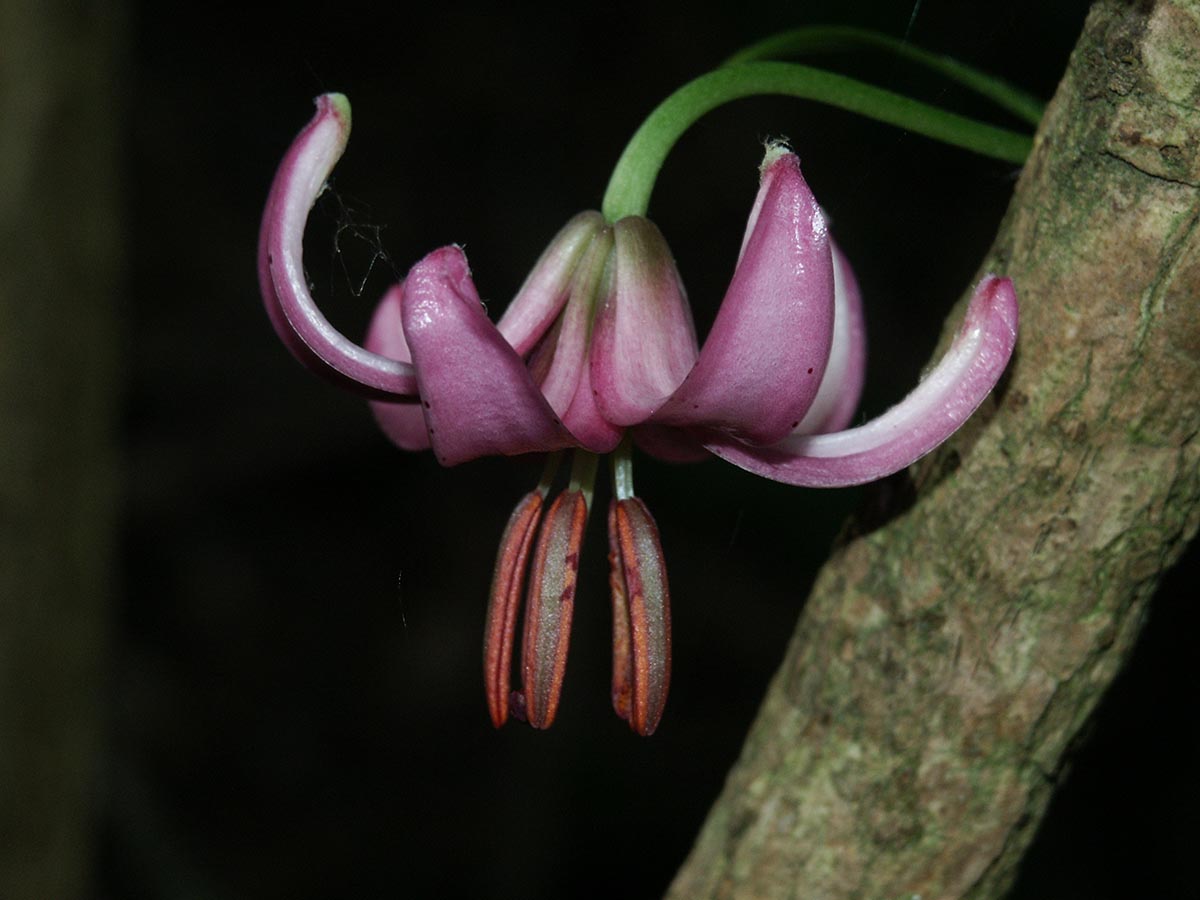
(919,423)
(644,342)
(477,395)
(546,289)
(762,364)
(290,306)
(403,423)
(837,399)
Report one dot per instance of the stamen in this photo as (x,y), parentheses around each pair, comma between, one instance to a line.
(508,583)
(622,468)
(622,653)
(583,475)
(550,608)
(641,616)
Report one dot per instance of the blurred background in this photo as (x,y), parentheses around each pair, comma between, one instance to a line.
(271,686)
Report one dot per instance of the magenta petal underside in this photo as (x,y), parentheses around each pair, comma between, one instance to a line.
(290,306)
(403,423)
(644,341)
(924,419)
(762,364)
(544,292)
(841,388)
(478,397)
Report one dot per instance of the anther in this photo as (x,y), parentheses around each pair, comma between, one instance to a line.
(550,607)
(508,584)
(641,615)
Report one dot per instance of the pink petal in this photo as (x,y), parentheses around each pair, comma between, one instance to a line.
(837,399)
(644,341)
(584,419)
(762,364)
(566,381)
(293,313)
(403,423)
(478,397)
(918,424)
(544,292)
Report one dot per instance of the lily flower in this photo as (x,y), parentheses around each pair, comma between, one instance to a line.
(598,350)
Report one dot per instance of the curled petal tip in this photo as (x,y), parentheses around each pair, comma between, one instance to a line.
(337,104)
(774,151)
(999,300)
(928,416)
(301,326)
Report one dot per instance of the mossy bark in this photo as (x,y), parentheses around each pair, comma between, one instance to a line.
(910,742)
(59,252)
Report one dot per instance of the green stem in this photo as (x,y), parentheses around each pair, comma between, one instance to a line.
(553,461)
(633,179)
(839,38)
(583,475)
(622,469)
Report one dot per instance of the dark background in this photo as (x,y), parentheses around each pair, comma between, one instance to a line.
(296,700)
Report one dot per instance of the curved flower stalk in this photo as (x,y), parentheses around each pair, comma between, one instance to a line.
(597,350)
(838,38)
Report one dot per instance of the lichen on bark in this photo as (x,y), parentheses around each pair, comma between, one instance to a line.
(909,744)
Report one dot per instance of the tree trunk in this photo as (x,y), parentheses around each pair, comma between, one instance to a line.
(909,744)
(59,246)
